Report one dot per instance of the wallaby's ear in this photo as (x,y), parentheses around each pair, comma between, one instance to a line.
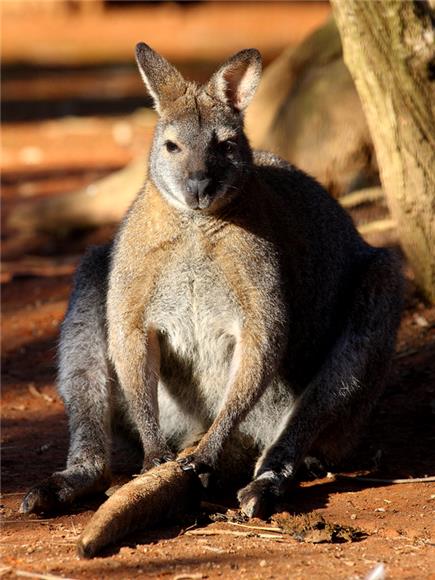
(162,80)
(236,81)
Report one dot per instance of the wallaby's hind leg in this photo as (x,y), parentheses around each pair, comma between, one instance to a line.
(83,383)
(342,394)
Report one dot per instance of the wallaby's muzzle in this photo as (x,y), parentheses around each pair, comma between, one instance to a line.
(196,194)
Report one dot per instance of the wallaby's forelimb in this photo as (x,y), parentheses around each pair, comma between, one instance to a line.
(135,352)
(139,376)
(251,375)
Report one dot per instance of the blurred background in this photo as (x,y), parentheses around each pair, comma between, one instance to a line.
(74,109)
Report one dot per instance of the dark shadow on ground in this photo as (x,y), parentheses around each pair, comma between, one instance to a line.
(39,370)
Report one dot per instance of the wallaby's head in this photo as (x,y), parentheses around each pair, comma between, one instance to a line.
(200,155)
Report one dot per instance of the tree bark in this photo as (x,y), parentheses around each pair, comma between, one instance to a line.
(389,49)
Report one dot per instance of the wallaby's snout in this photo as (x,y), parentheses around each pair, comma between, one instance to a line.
(197,184)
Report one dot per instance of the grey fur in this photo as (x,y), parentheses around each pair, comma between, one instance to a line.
(250,316)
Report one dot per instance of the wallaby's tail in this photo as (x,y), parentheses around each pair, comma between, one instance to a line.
(162,493)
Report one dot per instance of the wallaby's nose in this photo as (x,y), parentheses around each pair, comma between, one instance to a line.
(197,183)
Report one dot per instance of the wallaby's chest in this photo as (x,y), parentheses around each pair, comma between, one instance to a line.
(197,318)
(191,293)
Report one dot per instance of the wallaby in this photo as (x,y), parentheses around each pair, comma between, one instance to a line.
(237,307)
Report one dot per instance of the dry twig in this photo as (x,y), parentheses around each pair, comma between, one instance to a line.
(386,480)
(40,576)
(362,196)
(217,532)
(259,528)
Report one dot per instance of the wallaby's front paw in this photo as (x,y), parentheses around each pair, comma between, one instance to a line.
(193,463)
(199,466)
(151,462)
(258,498)
(48,496)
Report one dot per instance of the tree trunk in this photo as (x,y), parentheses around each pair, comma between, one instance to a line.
(389,49)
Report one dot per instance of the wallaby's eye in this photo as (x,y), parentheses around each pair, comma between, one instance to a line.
(227,147)
(171,147)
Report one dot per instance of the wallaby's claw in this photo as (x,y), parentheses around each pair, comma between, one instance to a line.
(163,459)
(192,463)
(187,463)
(155,461)
(187,466)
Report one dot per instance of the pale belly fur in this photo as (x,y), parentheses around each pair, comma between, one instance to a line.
(198,321)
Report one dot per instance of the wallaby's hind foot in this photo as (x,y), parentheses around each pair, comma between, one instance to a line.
(58,491)
(258,499)
(261,496)
(46,496)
